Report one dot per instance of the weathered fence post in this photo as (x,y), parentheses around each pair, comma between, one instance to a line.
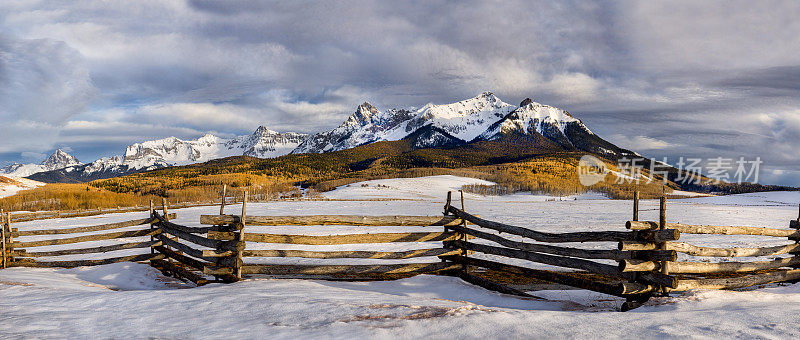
(240,245)
(662,224)
(222,202)
(166,218)
(9,239)
(447,212)
(641,244)
(152,227)
(795,224)
(463,236)
(3,238)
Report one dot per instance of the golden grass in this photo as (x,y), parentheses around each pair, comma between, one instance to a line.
(554,174)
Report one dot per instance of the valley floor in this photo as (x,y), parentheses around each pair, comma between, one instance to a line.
(130,300)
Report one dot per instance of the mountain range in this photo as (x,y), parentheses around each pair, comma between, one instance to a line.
(61,167)
(484,118)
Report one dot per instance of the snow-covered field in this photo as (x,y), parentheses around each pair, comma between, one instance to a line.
(131,300)
(10,185)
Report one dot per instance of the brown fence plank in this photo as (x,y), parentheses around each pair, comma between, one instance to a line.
(191,230)
(354,220)
(566,251)
(87,238)
(280,269)
(593,236)
(103,249)
(717,230)
(350,254)
(100,227)
(615,289)
(739,282)
(196,264)
(80,263)
(180,272)
(693,250)
(730,267)
(349,238)
(196,239)
(197,253)
(590,266)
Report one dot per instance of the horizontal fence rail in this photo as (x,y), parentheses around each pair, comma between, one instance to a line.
(409,268)
(24,253)
(590,236)
(693,250)
(310,220)
(715,230)
(350,238)
(351,254)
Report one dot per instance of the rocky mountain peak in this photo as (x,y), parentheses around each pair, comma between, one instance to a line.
(364,114)
(264,131)
(59,159)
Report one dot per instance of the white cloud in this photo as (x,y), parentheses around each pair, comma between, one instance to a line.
(642,143)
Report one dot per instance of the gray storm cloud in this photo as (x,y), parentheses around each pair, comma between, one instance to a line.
(43,83)
(686,78)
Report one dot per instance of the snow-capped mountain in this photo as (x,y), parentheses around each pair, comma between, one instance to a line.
(461,121)
(171,151)
(58,160)
(484,117)
(479,119)
(265,143)
(366,125)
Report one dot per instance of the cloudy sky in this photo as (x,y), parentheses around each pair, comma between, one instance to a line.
(693,79)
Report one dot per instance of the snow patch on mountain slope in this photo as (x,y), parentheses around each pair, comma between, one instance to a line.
(464,120)
(533,117)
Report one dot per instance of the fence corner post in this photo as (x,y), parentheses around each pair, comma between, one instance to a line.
(222,201)
(3,226)
(463,236)
(795,224)
(662,224)
(240,244)
(152,228)
(636,205)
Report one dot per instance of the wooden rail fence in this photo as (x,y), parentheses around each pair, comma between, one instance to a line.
(27,254)
(641,261)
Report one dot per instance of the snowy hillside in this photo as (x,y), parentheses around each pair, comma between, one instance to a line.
(10,185)
(130,300)
(58,160)
(432,188)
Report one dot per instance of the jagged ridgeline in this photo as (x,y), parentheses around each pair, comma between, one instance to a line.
(482,118)
(530,147)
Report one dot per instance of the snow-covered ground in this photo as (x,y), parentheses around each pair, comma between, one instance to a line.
(435,188)
(10,185)
(130,300)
